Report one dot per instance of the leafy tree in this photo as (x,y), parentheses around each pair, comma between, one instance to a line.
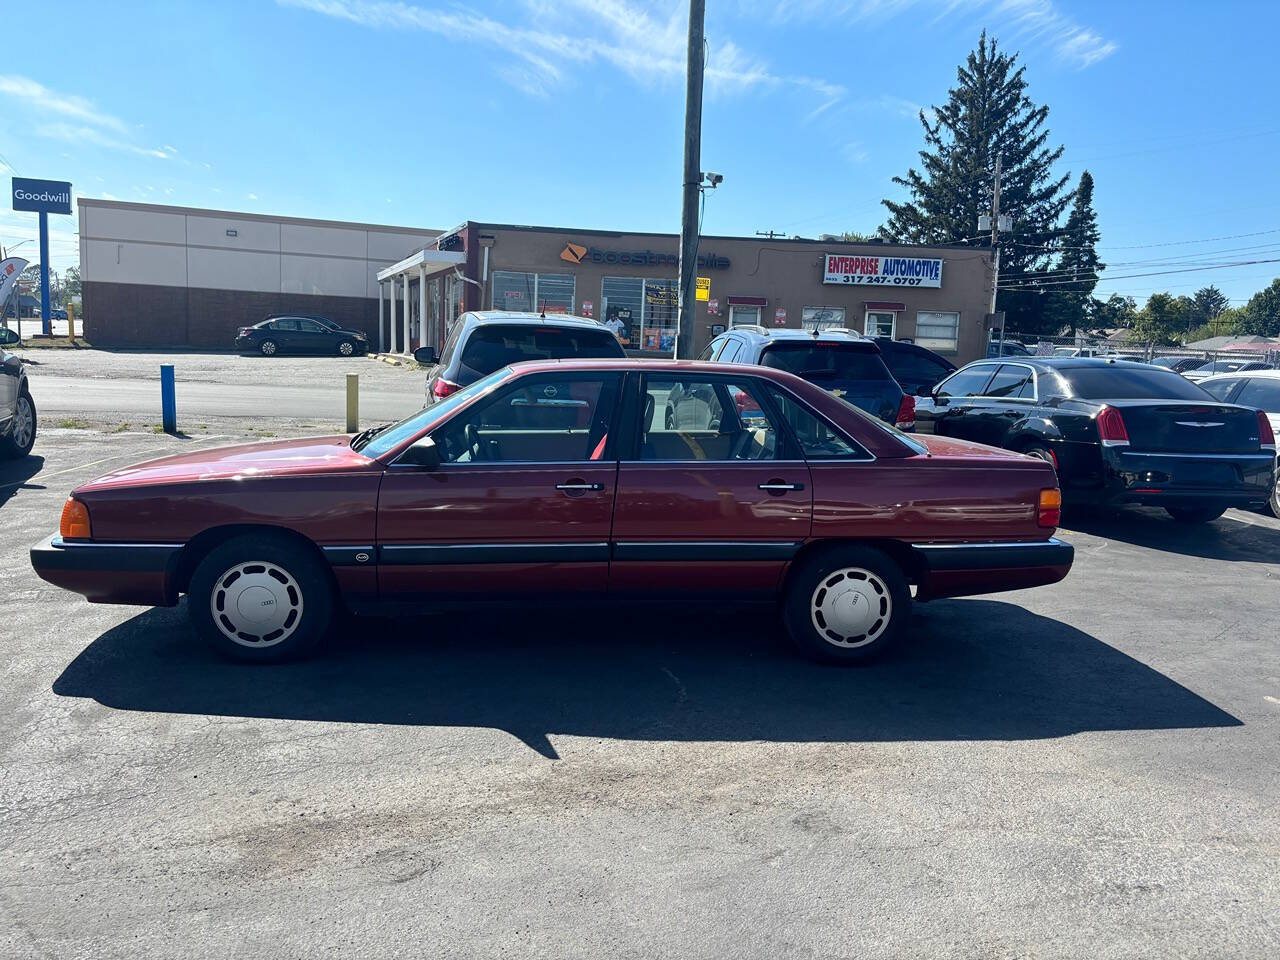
(1070,302)
(1115,311)
(1165,319)
(1223,325)
(70,283)
(987,114)
(1261,315)
(1209,302)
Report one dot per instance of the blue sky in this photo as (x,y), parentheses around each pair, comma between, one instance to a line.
(570,113)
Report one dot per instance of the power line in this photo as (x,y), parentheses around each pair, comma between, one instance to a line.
(1131,276)
(1148,246)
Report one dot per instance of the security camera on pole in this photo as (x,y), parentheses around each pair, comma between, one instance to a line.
(43,197)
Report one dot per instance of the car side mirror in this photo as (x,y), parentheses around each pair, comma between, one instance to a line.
(426,356)
(424,454)
(8,337)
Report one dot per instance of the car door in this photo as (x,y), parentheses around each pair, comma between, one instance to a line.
(713,495)
(521,503)
(284,331)
(314,337)
(1007,398)
(946,410)
(10,374)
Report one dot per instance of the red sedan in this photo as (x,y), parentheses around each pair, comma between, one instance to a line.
(569,480)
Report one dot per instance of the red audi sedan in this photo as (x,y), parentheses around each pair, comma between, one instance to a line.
(570,481)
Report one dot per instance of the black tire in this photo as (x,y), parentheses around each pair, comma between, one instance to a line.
(268,348)
(11,448)
(1197,514)
(296,582)
(873,578)
(346,348)
(1040,452)
(1274,503)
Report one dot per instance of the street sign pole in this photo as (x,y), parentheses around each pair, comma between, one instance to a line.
(46,309)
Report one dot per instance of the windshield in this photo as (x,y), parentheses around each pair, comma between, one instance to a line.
(398,433)
(491,347)
(1130,383)
(832,366)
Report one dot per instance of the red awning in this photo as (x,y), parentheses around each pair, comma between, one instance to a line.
(883,305)
(748,301)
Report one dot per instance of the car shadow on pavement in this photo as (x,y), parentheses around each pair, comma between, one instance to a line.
(14,475)
(970,670)
(1223,539)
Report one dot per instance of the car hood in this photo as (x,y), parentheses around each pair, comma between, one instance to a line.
(952,448)
(242,461)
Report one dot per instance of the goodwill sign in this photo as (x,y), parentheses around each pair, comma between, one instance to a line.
(41,196)
(882,271)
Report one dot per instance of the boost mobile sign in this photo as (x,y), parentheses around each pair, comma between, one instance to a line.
(882,271)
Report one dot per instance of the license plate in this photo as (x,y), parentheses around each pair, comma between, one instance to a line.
(1205,475)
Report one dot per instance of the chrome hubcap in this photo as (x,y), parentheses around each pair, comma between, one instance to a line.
(23,423)
(851,607)
(268,348)
(344,349)
(256,604)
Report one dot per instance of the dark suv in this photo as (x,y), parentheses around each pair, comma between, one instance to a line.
(485,341)
(912,365)
(840,361)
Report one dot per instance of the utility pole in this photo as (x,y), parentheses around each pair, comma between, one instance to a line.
(685,332)
(995,247)
(771,234)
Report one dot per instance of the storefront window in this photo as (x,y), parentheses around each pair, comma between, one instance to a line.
(621,306)
(533,292)
(740,315)
(822,318)
(880,323)
(661,307)
(937,330)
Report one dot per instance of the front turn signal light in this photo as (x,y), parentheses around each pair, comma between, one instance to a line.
(75,521)
(1050,507)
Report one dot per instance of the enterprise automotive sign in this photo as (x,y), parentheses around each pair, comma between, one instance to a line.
(47,196)
(883,271)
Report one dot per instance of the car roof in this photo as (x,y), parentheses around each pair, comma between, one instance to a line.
(1066,363)
(487,317)
(648,365)
(1236,375)
(762,336)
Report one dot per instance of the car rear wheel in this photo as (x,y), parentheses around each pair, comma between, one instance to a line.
(846,606)
(22,431)
(268,348)
(1197,514)
(346,348)
(1274,502)
(1041,453)
(262,599)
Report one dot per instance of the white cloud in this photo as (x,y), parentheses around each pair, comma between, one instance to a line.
(70,133)
(252,196)
(855,151)
(47,101)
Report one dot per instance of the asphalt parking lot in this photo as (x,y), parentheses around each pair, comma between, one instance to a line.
(1087,769)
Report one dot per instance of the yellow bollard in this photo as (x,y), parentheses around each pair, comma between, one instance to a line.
(353,402)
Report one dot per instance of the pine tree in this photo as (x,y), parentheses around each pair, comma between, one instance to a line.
(1076,274)
(1210,302)
(987,113)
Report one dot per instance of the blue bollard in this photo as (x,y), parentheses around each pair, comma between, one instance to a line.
(168,405)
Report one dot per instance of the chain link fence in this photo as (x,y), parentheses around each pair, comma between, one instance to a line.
(1142,351)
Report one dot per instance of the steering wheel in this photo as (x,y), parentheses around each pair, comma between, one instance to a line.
(472,437)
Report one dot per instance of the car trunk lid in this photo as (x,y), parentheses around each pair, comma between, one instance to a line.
(1170,426)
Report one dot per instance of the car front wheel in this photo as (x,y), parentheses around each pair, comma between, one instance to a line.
(261,598)
(846,606)
(268,348)
(1196,514)
(22,431)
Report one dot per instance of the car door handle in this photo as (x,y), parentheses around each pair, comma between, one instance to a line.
(777,486)
(579,486)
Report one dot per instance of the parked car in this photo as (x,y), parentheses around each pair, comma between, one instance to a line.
(17,409)
(1215,367)
(1009,348)
(1259,389)
(556,481)
(912,365)
(845,363)
(295,334)
(1177,364)
(484,341)
(1116,432)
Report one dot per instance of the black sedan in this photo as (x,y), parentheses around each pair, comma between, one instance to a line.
(282,334)
(1117,432)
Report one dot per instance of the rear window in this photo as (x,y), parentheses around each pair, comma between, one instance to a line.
(1123,383)
(826,363)
(492,347)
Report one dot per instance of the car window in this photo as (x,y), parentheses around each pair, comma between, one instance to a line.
(450,345)
(1262,393)
(691,419)
(818,439)
(1220,389)
(710,352)
(730,351)
(544,418)
(967,382)
(833,366)
(1129,383)
(392,436)
(1256,365)
(285,323)
(492,347)
(310,326)
(1009,381)
(915,366)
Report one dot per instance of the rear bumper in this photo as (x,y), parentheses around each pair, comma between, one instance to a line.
(964,569)
(1156,479)
(246,343)
(135,573)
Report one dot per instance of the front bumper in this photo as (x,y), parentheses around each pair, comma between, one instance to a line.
(1158,479)
(134,573)
(965,569)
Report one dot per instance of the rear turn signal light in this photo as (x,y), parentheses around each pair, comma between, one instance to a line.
(1050,507)
(442,388)
(75,521)
(906,413)
(1111,429)
(1266,436)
